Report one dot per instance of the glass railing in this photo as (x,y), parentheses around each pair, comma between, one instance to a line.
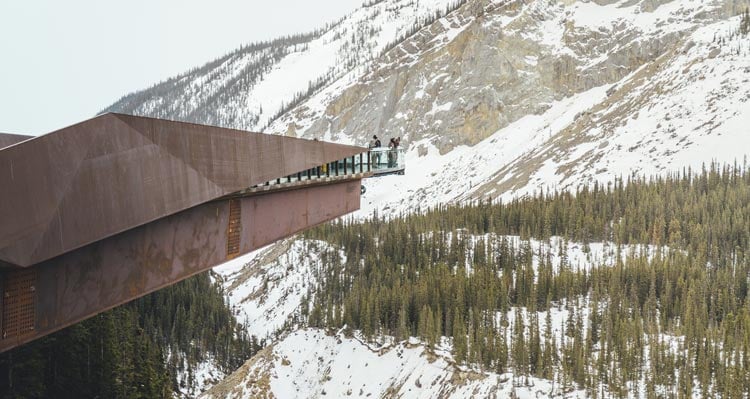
(378,161)
(387,160)
(353,165)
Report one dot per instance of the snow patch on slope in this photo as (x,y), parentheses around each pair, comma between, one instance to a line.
(434,179)
(310,363)
(685,109)
(267,287)
(248,87)
(571,255)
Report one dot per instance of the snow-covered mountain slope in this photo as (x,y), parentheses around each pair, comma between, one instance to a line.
(500,99)
(192,381)
(245,89)
(268,289)
(271,290)
(310,363)
(688,107)
(490,63)
(315,363)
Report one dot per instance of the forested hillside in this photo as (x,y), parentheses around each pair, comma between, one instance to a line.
(670,317)
(148,348)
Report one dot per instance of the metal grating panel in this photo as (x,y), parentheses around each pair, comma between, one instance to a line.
(19,295)
(234,229)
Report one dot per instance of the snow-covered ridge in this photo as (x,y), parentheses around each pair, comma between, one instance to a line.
(246,88)
(310,363)
(684,109)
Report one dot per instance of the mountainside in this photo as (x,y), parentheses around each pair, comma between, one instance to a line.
(311,363)
(637,290)
(500,99)
(249,87)
(278,285)
(496,98)
(493,99)
(269,289)
(490,63)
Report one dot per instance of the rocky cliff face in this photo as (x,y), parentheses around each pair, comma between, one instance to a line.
(497,97)
(249,87)
(490,63)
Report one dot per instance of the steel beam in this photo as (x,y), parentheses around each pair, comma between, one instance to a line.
(112,173)
(69,288)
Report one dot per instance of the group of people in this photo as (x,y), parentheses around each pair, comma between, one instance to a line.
(392,145)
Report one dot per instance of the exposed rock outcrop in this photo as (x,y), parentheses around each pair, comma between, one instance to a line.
(490,63)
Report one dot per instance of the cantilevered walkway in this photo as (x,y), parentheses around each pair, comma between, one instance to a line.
(115,207)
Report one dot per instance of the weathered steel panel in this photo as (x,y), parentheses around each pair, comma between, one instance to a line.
(107,273)
(305,208)
(7,139)
(101,177)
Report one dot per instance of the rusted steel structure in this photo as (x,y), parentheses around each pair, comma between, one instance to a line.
(7,139)
(110,209)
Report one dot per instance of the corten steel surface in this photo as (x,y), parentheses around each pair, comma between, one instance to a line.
(113,208)
(99,276)
(7,139)
(112,173)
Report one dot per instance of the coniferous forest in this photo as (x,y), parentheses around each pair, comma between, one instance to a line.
(132,351)
(670,318)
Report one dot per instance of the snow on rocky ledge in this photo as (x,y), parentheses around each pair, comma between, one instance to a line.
(310,363)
